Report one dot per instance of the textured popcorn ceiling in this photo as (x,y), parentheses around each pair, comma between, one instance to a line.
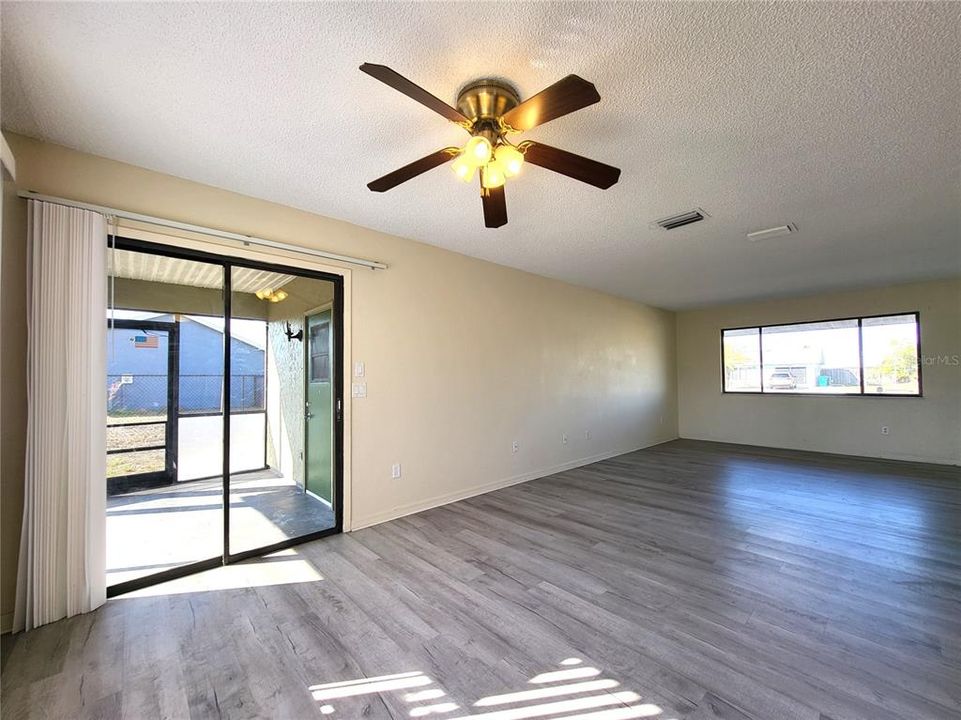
(841,118)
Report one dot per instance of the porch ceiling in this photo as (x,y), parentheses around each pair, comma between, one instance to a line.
(176,271)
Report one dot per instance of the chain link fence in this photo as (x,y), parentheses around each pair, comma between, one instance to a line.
(145,396)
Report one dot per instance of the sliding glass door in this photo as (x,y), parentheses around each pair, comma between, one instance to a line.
(165,422)
(204,348)
(276,503)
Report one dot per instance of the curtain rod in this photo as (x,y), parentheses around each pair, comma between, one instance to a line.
(213,232)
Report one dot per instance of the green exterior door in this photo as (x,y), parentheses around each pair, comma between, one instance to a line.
(319,406)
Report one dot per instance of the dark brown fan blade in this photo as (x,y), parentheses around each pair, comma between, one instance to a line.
(415,92)
(563,97)
(574,166)
(495,207)
(413,170)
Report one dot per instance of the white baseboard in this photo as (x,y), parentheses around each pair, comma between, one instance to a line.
(927,459)
(437,501)
(897,457)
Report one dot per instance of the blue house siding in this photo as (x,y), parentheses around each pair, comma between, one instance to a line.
(201,371)
(136,377)
(137,381)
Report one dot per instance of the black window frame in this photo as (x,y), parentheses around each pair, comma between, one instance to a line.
(859,393)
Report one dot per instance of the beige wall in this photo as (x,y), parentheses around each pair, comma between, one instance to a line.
(13,389)
(462,356)
(926,429)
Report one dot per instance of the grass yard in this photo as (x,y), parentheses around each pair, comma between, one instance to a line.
(130,434)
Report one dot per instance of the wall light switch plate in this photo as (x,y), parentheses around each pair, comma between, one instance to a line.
(358,390)
(358,369)
(395,470)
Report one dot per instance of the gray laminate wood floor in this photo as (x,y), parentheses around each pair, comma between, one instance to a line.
(690,580)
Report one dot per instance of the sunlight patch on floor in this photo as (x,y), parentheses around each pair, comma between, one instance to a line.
(433,709)
(561,706)
(564,675)
(591,699)
(285,567)
(364,686)
(546,692)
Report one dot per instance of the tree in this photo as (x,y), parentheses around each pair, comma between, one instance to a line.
(735,357)
(901,362)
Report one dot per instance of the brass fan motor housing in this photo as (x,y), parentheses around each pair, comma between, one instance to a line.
(485,101)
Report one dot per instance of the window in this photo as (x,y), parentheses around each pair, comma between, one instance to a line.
(851,356)
(320,352)
(813,357)
(742,360)
(890,353)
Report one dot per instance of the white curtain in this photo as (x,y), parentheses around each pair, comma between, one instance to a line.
(62,547)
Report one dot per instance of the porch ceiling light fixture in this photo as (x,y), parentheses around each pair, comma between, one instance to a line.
(271,295)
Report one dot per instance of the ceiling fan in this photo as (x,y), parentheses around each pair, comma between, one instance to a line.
(491,110)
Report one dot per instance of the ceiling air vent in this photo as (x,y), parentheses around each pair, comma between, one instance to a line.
(772,232)
(681,219)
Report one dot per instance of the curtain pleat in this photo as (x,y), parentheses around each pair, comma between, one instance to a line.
(62,549)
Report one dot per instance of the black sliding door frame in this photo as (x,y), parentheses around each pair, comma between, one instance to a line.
(227,263)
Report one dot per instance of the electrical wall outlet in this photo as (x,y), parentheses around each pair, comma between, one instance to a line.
(395,471)
(885,430)
(587,434)
(564,438)
(514,447)
(358,390)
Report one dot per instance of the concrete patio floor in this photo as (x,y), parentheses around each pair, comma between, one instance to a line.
(150,531)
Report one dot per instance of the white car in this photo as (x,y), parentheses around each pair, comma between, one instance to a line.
(782,381)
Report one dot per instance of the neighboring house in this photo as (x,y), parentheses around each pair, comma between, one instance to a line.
(137,370)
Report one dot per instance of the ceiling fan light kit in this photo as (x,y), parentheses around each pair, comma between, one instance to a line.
(510,158)
(490,110)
